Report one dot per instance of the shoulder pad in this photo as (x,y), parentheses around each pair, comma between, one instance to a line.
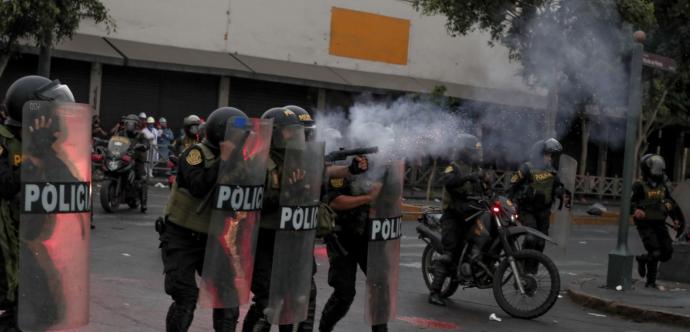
(4,132)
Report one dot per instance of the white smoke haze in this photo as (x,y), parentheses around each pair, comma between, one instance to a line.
(593,54)
(404,129)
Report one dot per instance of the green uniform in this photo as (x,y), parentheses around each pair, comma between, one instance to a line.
(460,180)
(11,155)
(182,205)
(534,188)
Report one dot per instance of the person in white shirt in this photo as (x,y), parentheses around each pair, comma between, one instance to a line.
(151,134)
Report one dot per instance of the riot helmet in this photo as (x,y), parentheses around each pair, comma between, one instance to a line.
(307,121)
(226,120)
(32,88)
(653,166)
(288,130)
(191,125)
(546,151)
(131,124)
(468,148)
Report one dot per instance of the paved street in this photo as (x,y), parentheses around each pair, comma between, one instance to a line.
(127,284)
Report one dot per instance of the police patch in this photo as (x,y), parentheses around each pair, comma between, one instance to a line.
(194,157)
(516,177)
(448,169)
(337,182)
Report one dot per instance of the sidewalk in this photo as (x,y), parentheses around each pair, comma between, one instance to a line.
(639,304)
(413,207)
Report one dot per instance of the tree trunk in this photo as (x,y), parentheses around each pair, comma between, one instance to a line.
(44,55)
(584,145)
(4,59)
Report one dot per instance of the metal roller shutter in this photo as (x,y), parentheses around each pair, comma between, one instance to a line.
(76,74)
(255,97)
(157,93)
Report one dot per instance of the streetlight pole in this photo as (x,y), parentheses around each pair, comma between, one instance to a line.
(621,259)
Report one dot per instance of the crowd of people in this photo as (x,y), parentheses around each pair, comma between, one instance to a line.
(162,141)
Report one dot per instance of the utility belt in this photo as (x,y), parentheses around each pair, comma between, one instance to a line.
(163,224)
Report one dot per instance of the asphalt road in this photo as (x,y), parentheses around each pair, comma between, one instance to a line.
(127,284)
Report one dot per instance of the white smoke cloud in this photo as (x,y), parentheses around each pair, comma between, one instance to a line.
(402,129)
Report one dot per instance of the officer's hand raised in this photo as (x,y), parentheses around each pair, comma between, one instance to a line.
(296,176)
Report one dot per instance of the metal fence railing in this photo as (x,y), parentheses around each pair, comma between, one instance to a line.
(417,178)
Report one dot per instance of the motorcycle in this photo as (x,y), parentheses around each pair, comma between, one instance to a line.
(119,184)
(525,283)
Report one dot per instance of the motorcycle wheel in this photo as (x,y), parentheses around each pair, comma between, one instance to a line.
(109,200)
(507,292)
(450,286)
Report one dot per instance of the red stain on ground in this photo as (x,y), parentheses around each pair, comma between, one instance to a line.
(320,251)
(429,323)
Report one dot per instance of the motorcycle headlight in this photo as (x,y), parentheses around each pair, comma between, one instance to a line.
(113,165)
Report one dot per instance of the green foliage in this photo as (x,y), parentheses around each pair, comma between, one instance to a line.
(33,19)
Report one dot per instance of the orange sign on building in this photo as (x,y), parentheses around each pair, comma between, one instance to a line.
(368,36)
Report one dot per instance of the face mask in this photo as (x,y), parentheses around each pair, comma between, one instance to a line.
(194,130)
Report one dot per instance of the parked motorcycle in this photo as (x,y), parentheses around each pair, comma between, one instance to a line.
(525,282)
(119,184)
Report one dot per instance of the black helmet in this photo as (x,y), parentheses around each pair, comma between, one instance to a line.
(287,128)
(653,166)
(468,148)
(217,124)
(546,146)
(32,88)
(131,123)
(307,121)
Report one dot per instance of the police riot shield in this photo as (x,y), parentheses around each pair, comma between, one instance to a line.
(294,240)
(55,216)
(563,216)
(384,229)
(681,196)
(236,208)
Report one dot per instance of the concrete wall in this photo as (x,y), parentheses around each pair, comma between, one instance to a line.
(300,31)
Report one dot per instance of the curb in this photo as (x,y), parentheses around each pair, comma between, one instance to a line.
(628,311)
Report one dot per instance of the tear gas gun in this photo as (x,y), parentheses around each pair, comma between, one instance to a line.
(342,154)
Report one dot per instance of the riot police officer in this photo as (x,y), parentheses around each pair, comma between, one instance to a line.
(287,128)
(461,179)
(190,134)
(651,204)
(351,201)
(307,121)
(183,239)
(21,91)
(140,145)
(534,187)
